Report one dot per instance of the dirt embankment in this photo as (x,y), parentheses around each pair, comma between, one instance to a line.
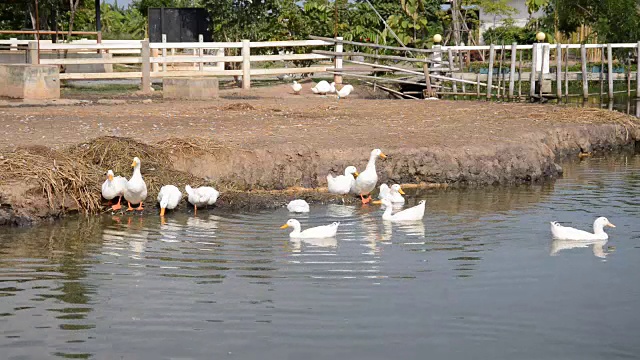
(252,150)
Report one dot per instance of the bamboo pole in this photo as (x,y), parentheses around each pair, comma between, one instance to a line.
(585,82)
(532,78)
(379,57)
(146,67)
(478,86)
(628,81)
(490,75)
(394,92)
(512,69)
(164,52)
(610,71)
(246,64)
(559,72)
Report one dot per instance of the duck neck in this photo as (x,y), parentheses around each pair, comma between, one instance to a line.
(372,162)
(598,229)
(387,213)
(136,172)
(296,229)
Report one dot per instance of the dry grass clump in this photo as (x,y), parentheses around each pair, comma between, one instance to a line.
(117,153)
(191,146)
(60,175)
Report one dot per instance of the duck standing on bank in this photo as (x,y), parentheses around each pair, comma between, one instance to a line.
(136,190)
(114,187)
(296,87)
(201,196)
(367,180)
(169,197)
(342,184)
(568,233)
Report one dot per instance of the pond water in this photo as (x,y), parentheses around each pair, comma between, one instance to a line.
(479,278)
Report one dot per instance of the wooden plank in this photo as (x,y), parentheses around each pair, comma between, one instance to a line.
(512,69)
(601,75)
(534,65)
(450,60)
(399,81)
(297,70)
(585,82)
(291,43)
(196,45)
(559,71)
(191,59)
(520,76)
(545,55)
(289,57)
(376,46)
(110,46)
(246,64)
(379,57)
(500,75)
(146,67)
(610,70)
(99,76)
(566,75)
(490,75)
(197,73)
(47,32)
(115,60)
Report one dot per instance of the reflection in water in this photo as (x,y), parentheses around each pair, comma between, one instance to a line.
(474,272)
(597,246)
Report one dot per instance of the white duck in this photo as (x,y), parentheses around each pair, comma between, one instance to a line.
(318,232)
(298,206)
(568,233)
(136,190)
(169,197)
(393,194)
(323,87)
(114,187)
(201,196)
(411,214)
(345,91)
(296,87)
(342,184)
(367,180)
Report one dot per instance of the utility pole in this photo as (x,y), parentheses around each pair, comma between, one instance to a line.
(455,20)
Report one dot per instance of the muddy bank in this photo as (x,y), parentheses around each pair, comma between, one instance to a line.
(262,153)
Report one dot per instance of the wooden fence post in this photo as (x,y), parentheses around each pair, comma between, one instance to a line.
(610,70)
(246,65)
(512,69)
(490,75)
(454,87)
(33,52)
(337,78)
(146,66)
(200,53)
(638,73)
(164,52)
(534,65)
(427,80)
(559,71)
(155,66)
(14,44)
(585,82)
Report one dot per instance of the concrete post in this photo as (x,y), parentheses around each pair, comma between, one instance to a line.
(337,78)
(146,67)
(164,52)
(246,65)
(33,52)
(14,44)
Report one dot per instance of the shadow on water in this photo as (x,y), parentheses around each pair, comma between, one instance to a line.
(480,268)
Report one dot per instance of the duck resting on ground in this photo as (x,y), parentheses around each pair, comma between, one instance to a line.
(136,190)
(342,184)
(367,180)
(201,196)
(169,197)
(568,233)
(318,232)
(114,187)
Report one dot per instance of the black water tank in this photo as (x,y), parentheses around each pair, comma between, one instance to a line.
(179,24)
